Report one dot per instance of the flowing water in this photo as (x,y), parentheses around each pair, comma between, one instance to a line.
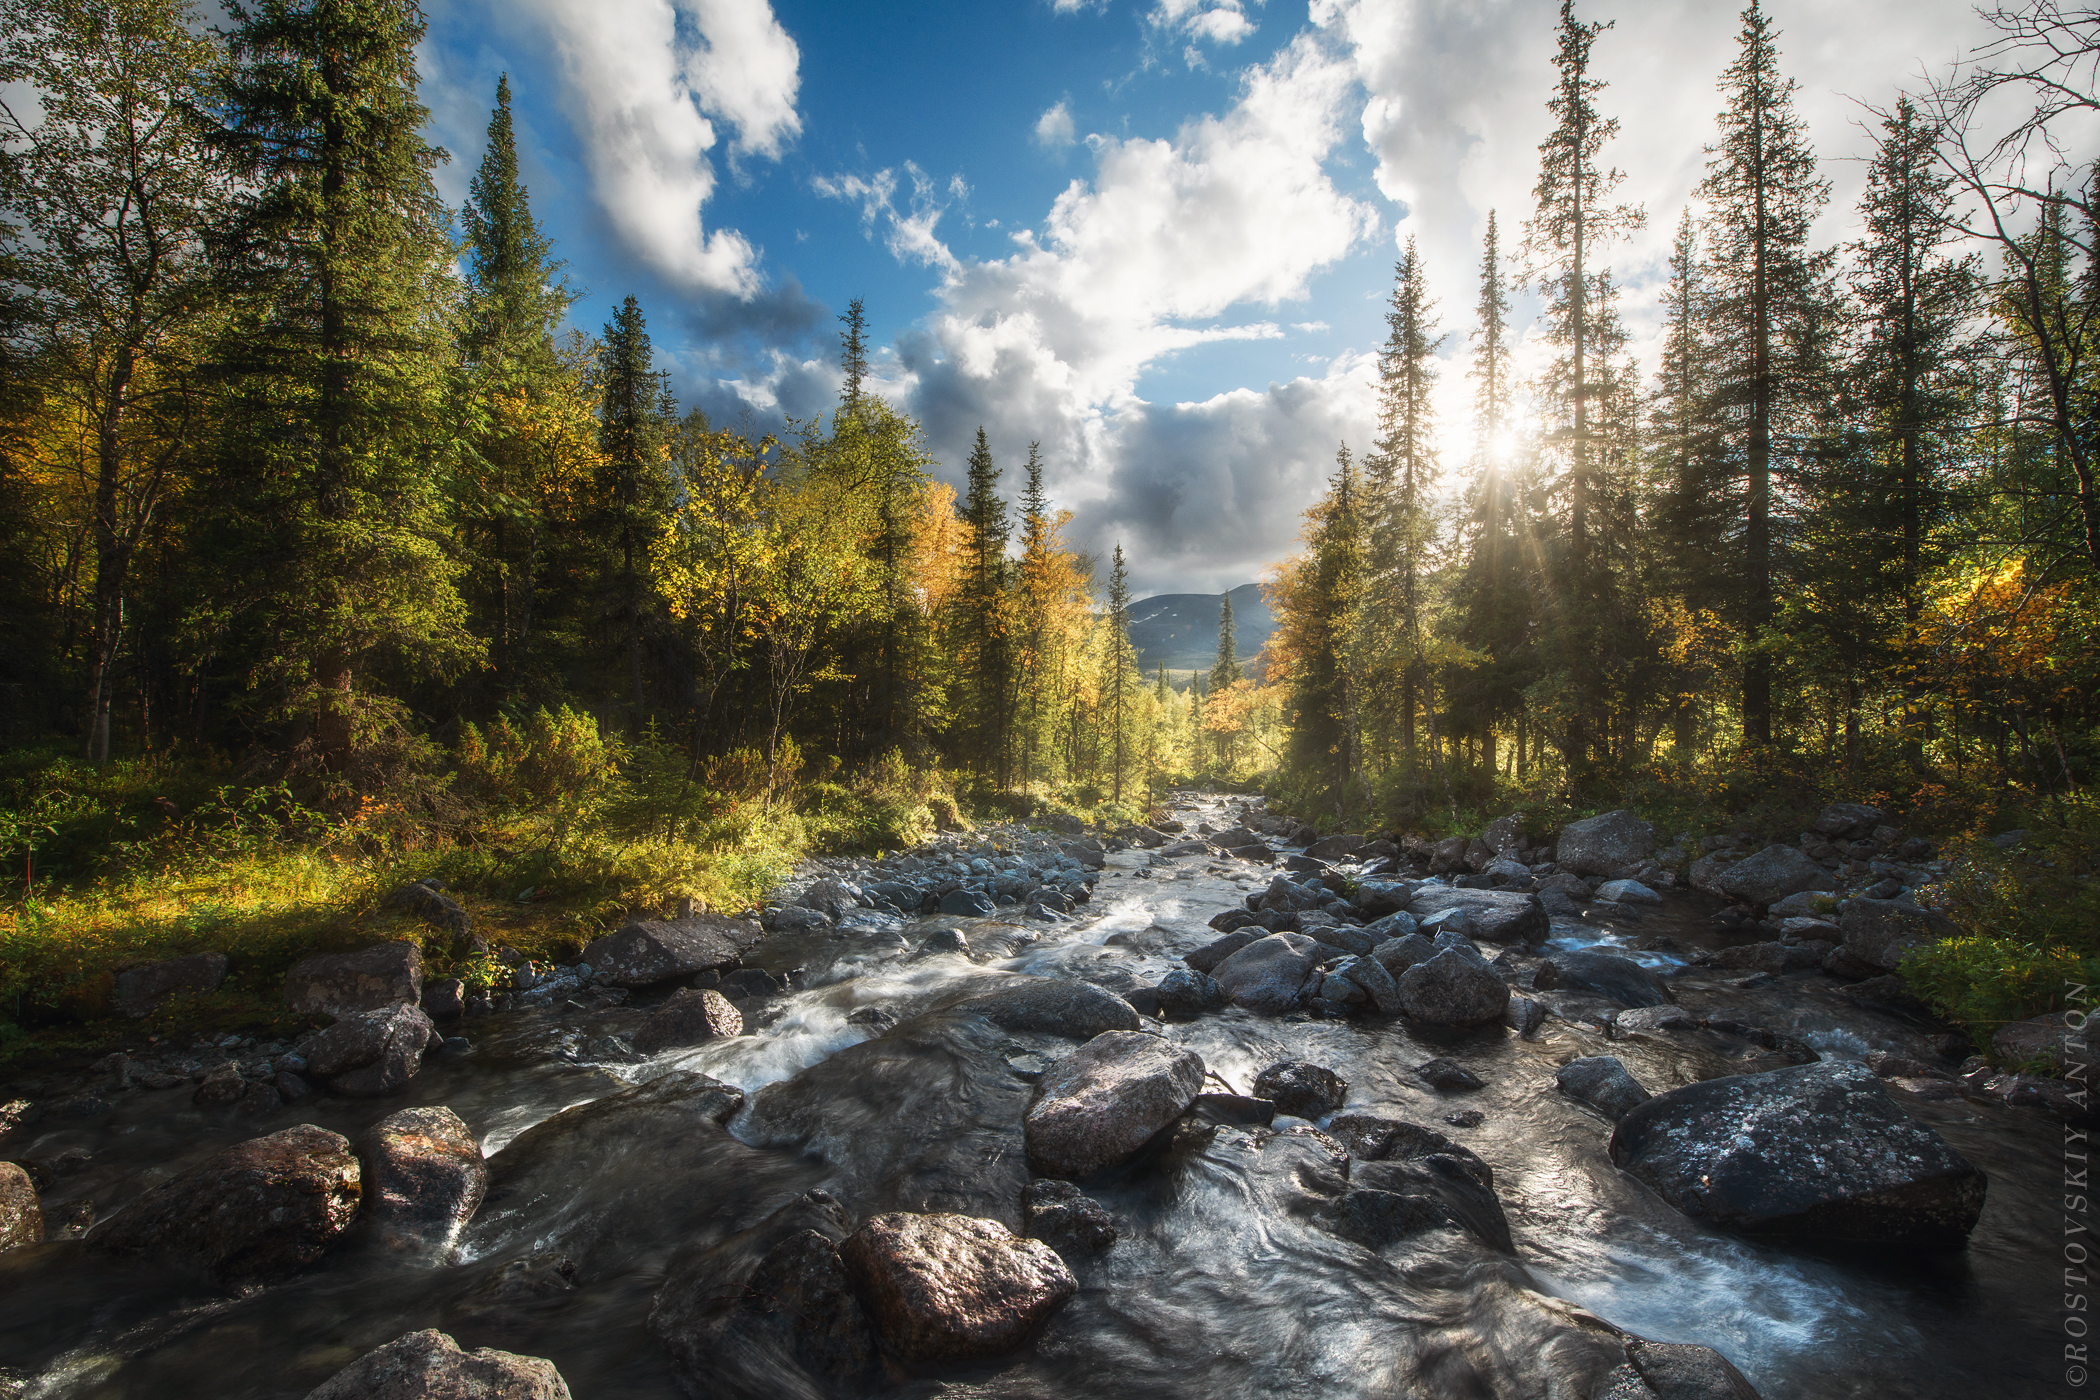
(1222,1282)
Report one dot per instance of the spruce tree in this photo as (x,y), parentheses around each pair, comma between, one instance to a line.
(1226,669)
(984,602)
(1763,191)
(1118,669)
(338,242)
(853,355)
(635,413)
(1563,244)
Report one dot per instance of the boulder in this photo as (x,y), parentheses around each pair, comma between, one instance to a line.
(690,1017)
(1772,874)
(651,950)
(1448,1076)
(1604,845)
(1448,854)
(366,1056)
(1849,821)
(1452,989)
(1376,898)
(254,1213)
(1100,1104)
(1819,1151)
(2050,1041)
(427,900)
(221,1087)
(1803,905)
(1054,1006)
(1604,1083)
(429,1365)
(1504,835)
(1300,1089)
(1378,984)
(445,999)
(1397,955)
(1704,874)
(1627,892)
(424,1177)
(1616,979)
(21,1215)
(1055,1213)
(953,1287)
(1495,916)
(967,904)
(1185,994)
(145,988)
(1270,974)
(1207,958)
(344,984)
(1678,1371)
(1335,847)
(830,898)
(1880,931)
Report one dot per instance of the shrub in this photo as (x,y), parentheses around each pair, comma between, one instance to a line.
(1983,983)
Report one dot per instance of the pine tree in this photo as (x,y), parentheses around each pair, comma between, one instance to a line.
(338,241)
(1563,244)
(853,355)
(1316,601)
(984,603)
(635,414)
(1226,669)
(1118,669)
(1763,190)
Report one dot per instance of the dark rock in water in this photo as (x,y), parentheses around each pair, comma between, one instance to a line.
(1378,984)
(801,1301)
(261,1098)
(1819,1150)
(1368,1137)
(1683,1371)
(650,950)
(344,984)
(21,1216)
(1604,844)
(445,999)
(1452,989)
(1271,975)
(689,1018)
(145,988)
(1616,979)
(292,1088)
(430,1366)
(255,1213)
(1103,1102)
(1493,916)
(1185,993)
(947,940)
(953,1287)
(875,1018)
(793,918)
(905,899)
(371,1054)
(1449,1076)
(1449,1182)
(1243,1109)
(968,904)
(1602,1082)
(1207,958)
(1397,955)
(1376,1219)
(1772,874)
(424,1177)
(1227,922)
(1524,1016)
(1466,1118)
(221,1087)
(751,984)
(1300,1089)
(1054,1006)
(1055,1213)
(1878,932)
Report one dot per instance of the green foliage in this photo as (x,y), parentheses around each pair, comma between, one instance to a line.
(1982,983)
(553,768)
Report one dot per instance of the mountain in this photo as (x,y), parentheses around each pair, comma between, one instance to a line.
(1181,629)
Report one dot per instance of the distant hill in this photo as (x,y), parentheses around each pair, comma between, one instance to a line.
(1181,629)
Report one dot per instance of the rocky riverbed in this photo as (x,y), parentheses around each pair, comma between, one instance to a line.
(1225,1106)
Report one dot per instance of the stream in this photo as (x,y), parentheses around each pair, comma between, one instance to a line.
(1220,1283)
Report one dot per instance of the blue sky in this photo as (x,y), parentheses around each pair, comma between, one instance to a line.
(1154,235)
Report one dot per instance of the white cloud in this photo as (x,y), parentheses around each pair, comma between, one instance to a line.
(909,236)
(1053,129)
(641,80)
(1213,21)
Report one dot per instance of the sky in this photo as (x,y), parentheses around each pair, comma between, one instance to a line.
(1154,236)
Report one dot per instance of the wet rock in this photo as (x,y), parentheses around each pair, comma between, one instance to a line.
(1273,974)
(429,1365)
(878,1020)
(1185,994)
(801,1295)
(649,950)
(1376,898)
(830,898)
(445,999)
(371,1054)
(1452,989)
(1397,955)
(1772,874)
(1054,1006)
(1819,1150)
(793,918)
(1453,1182)
(1448,1076)
(424,1177)
(1466,1118)
(21,1216)
(292,1088)
(1322,929)
(1685,1371)
(1054,1212)
(260,1099)
(1627,892)
(257,1212)
(1878,932)
(144,989)
(1616,979)
(1604,1083)
(345,984)
(221,1087)
(1228,921)
(1300,1089)
(1207,958)
(952,1287)
(967,904)
(689,1018)
(1493,916)
(1336,847)
(2051,1042)
(1604,845)
(1100,1104)
(1378,1219)
(1524,1016)
(1377,983)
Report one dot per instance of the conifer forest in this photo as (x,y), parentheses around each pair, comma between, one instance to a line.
(372,616)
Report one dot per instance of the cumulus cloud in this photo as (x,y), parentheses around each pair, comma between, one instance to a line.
(645,83)
(1213,21)
(1053,129)
(907,233)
